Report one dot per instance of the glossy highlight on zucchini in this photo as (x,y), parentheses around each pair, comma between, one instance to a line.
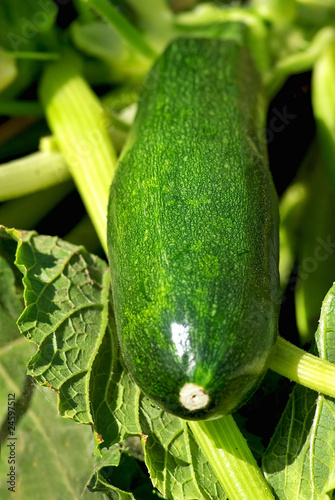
(193,233)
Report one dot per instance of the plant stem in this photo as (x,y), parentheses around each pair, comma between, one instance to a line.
(79,124)
(32,173)
(304,368)
(297,62)
(20,108)
(128,32)
(38,56)
(231,459)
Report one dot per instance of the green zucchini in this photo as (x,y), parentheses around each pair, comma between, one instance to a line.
(193,233)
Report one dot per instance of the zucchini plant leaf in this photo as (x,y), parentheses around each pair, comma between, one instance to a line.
(105,472)
(177,466)
(100,484)
(121,477)
(300,459)
(114,396)
(11,343)
(66,295)
(51,456)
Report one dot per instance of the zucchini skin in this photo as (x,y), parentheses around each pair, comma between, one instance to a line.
(193,233)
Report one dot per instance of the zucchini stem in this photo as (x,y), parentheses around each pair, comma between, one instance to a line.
(32,173)
(80,126)
(231,459)
(304,368)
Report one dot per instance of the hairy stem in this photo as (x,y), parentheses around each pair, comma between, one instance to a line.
(303,368)
(80,126)
(32,173)
(231,459)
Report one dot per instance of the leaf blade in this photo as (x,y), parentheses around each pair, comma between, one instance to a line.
(300,459)
(51,459)
(66,295)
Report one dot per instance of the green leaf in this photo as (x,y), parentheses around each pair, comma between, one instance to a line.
(114,396)
(66,295)
(101,479)
(119,475)
(300,460)
(79,125)
(11,301)
(177,466)
(52,455)
(11,305)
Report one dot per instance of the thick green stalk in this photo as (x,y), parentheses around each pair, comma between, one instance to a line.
(303,368)
(32,173)
(79,124)
(229,455)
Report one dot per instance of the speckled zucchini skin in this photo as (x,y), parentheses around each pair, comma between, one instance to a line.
(193,231)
